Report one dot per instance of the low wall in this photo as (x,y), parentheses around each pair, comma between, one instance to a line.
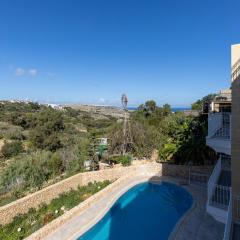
(9,211)
(141,173)
(182,171)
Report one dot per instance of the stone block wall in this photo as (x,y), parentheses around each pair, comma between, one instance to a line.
(9,211)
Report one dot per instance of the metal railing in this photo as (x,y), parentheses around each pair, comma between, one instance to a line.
(214,178)
(223,132)
(226,162)
(214,123)
(219,125)
(228,226)
(220,196)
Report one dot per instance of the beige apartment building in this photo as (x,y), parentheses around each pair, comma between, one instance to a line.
(223,201)
(235,143)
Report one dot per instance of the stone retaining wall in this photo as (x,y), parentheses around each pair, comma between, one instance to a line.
(9,211)
(140,173)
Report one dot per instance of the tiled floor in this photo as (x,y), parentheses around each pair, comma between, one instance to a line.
(198,224)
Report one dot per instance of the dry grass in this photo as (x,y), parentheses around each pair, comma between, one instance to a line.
(1,143)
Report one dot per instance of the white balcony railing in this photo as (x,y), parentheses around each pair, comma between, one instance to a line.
(226,162)
(218,195)
(214,179)
(219,125)
(228,226)
(214,123)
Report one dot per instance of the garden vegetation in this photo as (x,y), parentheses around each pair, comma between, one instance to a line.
(40,145)
(24,225)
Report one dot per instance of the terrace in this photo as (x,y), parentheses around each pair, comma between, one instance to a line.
(219,134)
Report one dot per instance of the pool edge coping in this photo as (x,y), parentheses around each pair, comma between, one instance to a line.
(183,218)
(174,181)
(95,220)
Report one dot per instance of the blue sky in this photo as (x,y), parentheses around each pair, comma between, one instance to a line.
(93,51)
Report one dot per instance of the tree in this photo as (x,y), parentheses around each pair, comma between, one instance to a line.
(45,135)
(150,106)
(92,151)
(166,109)
(199,104)
(192,148)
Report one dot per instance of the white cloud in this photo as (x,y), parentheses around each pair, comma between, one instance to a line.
(19,72)
(101,100)
(32,72)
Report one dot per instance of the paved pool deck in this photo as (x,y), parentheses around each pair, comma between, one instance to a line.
(196,224)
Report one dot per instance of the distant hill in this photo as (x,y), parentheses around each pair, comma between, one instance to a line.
(99,111)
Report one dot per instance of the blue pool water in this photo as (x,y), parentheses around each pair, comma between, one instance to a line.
(145,212)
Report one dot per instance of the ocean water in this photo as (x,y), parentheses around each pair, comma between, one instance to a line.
(146,212)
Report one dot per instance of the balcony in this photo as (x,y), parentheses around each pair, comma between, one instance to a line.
(219,190)
(219,133)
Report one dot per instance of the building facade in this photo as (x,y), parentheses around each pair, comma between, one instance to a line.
(235,143)
(224,137)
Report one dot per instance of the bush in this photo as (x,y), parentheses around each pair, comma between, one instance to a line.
(167,152)
(11,149)
(8,131)
(124,160)
(27,171)
(55,163)
(45,135)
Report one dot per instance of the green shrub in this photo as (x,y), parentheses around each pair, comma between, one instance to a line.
(27,171)
(167,152)
(11,149)
(42,139)
(9,131)
(55,163)
(48,125)
(124,160)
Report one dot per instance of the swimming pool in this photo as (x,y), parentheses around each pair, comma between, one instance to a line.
(145,212)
